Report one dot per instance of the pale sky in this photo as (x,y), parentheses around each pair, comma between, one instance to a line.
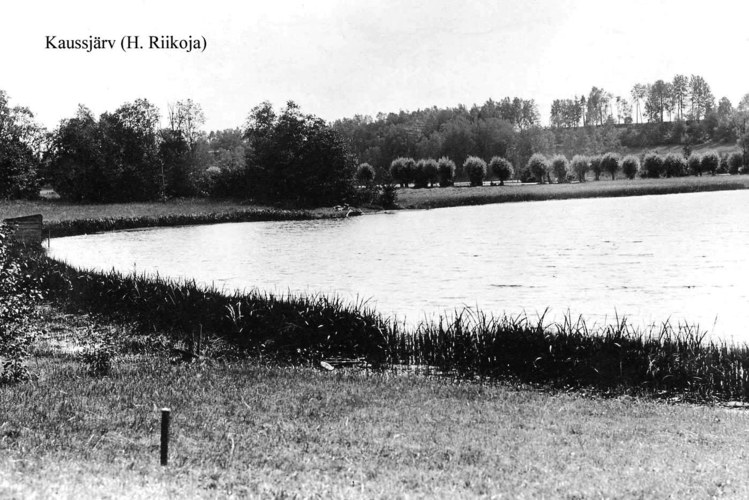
(339,58)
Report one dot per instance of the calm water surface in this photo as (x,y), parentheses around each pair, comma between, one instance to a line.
(652,258)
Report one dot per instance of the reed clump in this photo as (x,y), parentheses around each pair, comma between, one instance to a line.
(669,361)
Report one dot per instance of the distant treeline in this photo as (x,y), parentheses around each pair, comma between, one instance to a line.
(295,158)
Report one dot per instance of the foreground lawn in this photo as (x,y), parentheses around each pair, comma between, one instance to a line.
(456,196)
(248,428)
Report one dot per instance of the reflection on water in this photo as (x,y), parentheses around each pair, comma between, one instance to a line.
(651,258)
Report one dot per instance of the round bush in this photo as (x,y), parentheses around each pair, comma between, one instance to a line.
(402,170)
(694,164)
(446,170)
(710,162)
(560,166)
(501,168)
(735,162)
(652,165)
(538,167)
(426,173)
(365,174)
(610,164)
(475,168)
(631,165)
(674,165)
(580,165)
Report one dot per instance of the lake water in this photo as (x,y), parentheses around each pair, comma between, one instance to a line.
(683,258)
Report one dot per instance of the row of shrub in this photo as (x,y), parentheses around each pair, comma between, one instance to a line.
(612,359)
(427,172)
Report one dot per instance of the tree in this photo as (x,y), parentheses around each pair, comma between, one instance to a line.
(658,101)
(610,163)
(694,164)
(560,167)
(735,162)
(630,166)
(580,165)
(129,144)
(365,174)
(710,162)
(426,173)
(20,141)
(701,97)
(652,164)
(680,91)
(475,168)
(674,165)
(297,158)
(76,160)
(501,168)
(402,170)
(446,169)
(538,167)
(186,118)
(596,166)
(638,93)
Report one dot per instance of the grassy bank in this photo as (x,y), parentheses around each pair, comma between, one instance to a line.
(457,196)
(66,219)
(616,359)
(246,428)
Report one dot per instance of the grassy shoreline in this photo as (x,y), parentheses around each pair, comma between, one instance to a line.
(68,219)
(287,432)
(609,359)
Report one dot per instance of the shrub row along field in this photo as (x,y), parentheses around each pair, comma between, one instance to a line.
(673,360)
(428,172)
(458,196)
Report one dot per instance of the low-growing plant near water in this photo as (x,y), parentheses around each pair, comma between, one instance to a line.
(611,358)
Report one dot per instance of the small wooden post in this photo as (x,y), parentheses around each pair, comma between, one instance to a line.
(165,415)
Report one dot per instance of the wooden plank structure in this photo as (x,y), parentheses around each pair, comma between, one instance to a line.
(28,229)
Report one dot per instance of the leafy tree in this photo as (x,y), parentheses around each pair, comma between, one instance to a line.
(560,167)
(365,174)
(735,162)
(610,163)
(297,158)
(446,168)
(580,165)
(501,168)
(129,145)
(710,162)
(653,165)
(20,139)
(638,93)
(701,97)
(596,166)
(426,173)
(76,161)
(402,170)
(694,164)
(475,168)
(538,167)
(674,165)
(679,93)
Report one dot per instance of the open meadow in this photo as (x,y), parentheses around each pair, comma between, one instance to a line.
(252,428)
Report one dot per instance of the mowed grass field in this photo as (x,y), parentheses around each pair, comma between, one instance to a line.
(513,192)
(252,429)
